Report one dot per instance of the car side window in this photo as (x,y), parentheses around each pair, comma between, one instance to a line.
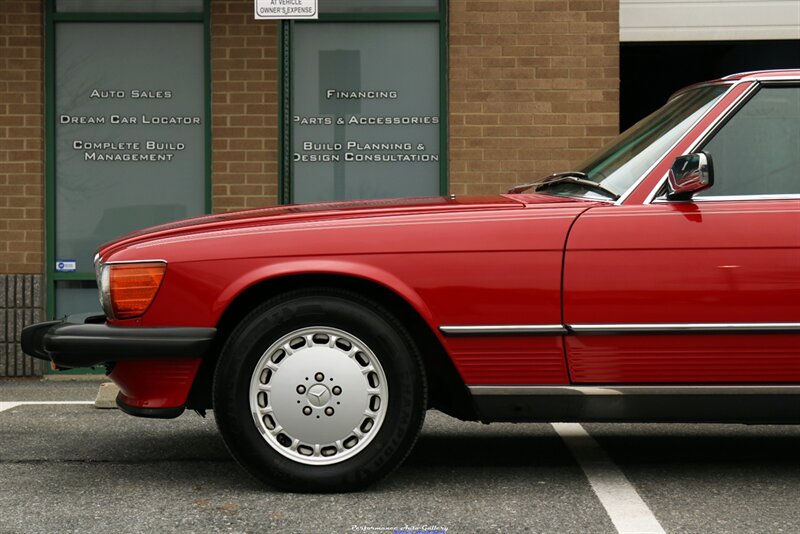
(758,151)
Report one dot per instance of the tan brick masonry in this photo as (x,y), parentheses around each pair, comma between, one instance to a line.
(21,137)
(534,88)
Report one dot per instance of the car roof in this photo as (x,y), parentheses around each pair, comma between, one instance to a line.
(763,75)
(755,75)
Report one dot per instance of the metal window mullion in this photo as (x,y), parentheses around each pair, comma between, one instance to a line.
(50,167)
(444,111)
(128,17)
(285,113)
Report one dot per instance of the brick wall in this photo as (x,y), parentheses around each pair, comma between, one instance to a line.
(244,66)
(534,88)
(20,305)
(21,137)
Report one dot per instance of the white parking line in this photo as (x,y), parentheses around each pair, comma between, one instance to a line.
(622,502)
(7,405)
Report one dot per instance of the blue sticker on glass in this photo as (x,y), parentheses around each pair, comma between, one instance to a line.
(66,266)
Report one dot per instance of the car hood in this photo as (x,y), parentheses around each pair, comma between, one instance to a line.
(299,213)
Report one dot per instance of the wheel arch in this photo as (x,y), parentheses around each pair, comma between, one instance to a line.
(447,391)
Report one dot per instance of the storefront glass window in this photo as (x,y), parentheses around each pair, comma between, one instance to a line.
(129,132)
(365,114)
(76,297)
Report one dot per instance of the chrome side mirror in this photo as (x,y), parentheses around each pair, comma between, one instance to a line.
(689,174)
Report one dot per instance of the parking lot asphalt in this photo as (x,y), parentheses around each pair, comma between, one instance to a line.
(74,468)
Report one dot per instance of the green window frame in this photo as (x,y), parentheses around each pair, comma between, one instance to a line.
(52,17)
(285,86)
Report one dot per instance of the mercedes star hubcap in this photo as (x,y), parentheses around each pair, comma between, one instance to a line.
(318,395)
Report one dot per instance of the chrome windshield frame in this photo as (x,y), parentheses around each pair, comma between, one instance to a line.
(731,85)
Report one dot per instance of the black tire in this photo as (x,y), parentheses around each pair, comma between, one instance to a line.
(353,314)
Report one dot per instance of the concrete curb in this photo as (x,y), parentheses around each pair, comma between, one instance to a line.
(107,396)
(74,378)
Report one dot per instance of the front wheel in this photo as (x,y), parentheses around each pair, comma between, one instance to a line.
(319,390)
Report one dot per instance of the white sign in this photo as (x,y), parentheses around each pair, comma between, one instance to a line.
(66,266)
(286,9)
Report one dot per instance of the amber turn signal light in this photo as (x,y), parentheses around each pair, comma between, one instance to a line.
(133,286)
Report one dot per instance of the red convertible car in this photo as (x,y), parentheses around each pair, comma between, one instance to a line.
(657,281)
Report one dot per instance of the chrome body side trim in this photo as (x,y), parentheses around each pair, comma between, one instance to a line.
(504,330)
(635,390)
(678,328)
(605,329)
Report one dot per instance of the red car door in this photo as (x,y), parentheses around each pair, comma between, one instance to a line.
(685,293)
(704,291)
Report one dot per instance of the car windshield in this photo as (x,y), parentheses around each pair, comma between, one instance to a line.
(617,167)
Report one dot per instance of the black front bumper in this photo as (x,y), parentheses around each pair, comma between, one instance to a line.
(83,341)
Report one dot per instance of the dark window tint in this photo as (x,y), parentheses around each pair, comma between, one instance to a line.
(758,151)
